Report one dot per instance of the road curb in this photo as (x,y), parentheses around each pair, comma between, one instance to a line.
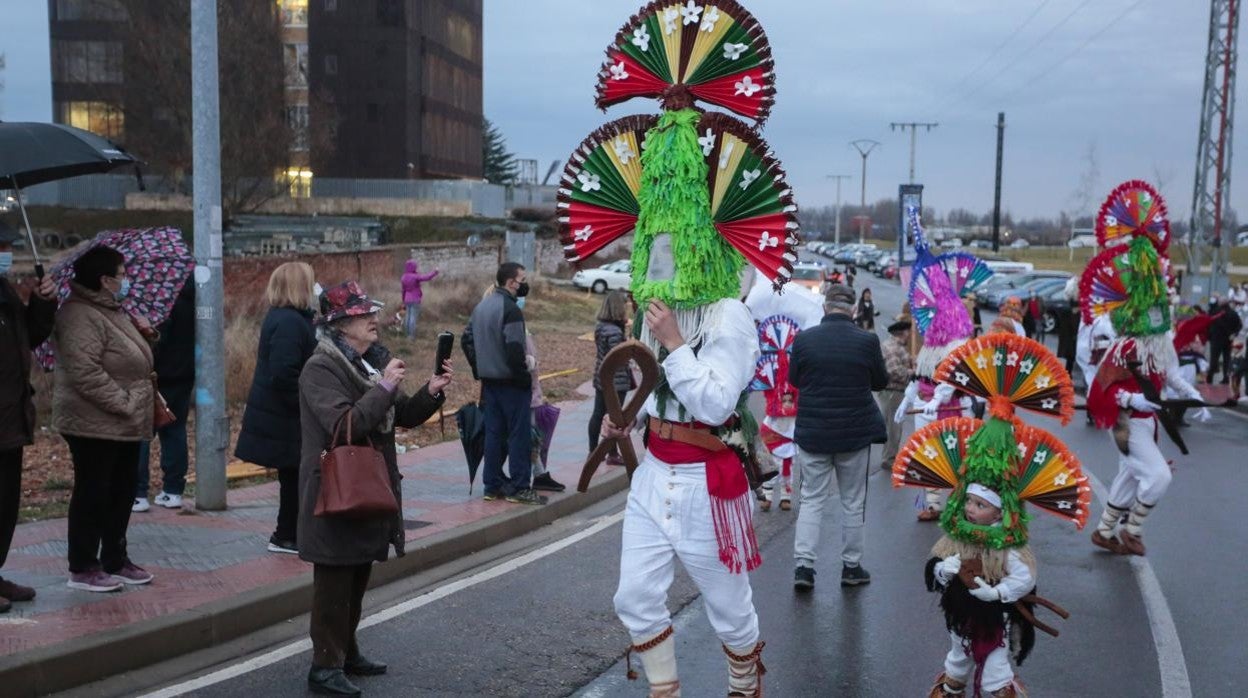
(93,657)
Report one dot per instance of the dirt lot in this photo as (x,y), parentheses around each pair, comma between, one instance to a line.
(559,318)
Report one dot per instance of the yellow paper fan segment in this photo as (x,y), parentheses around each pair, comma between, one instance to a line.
(708,41)
(731,150)
(671,23)
(625,154)
(1050,477)
(933,456)
(1019,370)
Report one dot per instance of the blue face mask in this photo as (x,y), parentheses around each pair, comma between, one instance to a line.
(520,302)
(6,262)
(124,290)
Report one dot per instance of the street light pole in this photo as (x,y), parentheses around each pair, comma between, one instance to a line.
(864,146)
(837,239)
(212,432)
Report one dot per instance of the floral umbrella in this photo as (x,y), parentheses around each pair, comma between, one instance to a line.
(158,264)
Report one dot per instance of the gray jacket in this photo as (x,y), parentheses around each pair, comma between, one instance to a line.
(494,341)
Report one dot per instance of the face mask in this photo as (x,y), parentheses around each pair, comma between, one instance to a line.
(124,290)
(520,303)
(317,290)
(522,290)
(6,262)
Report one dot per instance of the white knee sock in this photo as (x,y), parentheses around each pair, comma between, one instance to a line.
(1135,520)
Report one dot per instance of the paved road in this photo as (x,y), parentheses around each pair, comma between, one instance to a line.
(542,625)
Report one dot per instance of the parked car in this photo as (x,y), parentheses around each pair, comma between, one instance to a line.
(888,271)
(878,264)
(864,255)
(810,276)
(605,278)
(1020,244)
(998,288)
(1054,300)
(981,244)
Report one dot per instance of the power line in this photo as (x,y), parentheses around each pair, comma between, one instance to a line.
(1029,49)
(1045,73)
(993,54)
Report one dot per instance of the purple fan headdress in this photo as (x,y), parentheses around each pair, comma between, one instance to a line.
(934,303)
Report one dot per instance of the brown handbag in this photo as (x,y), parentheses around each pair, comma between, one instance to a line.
(162,416)
(355,481)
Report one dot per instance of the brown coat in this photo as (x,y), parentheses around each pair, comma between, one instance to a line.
(326,393)
(103,379)
(22,328)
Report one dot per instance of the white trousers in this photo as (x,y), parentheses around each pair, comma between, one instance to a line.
(668,516)
(1143,473)
(997,670)
(817,470)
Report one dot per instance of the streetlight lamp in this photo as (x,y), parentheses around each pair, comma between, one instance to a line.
(864,146)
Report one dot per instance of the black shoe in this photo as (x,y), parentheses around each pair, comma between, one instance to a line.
(331,682)
(492,495)
(277,545)
(363,666)
(526,497)
(547,483)
(804,578)
(853,576)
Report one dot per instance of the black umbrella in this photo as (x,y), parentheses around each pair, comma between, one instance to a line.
(34,153)
(471,422)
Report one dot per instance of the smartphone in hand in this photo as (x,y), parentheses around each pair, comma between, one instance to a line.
(446,342)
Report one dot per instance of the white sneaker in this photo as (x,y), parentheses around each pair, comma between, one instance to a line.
(169,501)
(141,504)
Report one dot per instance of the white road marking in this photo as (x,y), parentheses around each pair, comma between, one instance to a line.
(294,648)
(1170,661)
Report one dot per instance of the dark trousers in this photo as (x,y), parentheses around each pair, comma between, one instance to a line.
(337,597)
(10,497)
(600,411)
(174,456)
(1219,355)
(99,507)
(287,504)
(509,435)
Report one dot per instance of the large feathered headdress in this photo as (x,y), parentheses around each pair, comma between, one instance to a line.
(938,286)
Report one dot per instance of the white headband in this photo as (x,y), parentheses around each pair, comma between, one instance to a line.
(984,493)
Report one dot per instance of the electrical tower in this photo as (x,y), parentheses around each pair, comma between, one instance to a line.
(1213,149)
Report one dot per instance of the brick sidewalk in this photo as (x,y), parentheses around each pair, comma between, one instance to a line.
(203,557)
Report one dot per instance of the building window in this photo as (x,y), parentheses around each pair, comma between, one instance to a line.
(298,180)
(331,5)
(297,119)
(101,118)
(373,112)
(294,13)
(331,64)
(390,13)
(97,10)
(87,62)
(295,57)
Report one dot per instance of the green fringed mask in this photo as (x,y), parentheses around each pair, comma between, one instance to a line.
(1147,308)
(991,460)
(692,264)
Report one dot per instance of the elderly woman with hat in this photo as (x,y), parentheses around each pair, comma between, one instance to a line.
(350,373)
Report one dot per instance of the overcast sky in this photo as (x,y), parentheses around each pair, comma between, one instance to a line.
(1125,75)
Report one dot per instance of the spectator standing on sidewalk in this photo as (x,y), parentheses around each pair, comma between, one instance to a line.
(22,328)
(1221,334)
(542,479)
(175,378)
(835,368)
(350,375)
(494,343)
(865,312)
(412,294)
(102,405)
(271,431)
(1035,311)
(900,367)
(612,319)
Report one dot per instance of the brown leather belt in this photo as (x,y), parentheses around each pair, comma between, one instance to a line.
(671,431)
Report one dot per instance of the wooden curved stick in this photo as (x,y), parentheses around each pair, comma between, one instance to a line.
(1031,618)
(616,359)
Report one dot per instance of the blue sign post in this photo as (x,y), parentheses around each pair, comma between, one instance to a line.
(907,195)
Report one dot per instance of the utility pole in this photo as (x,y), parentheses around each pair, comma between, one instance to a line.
(913,127)
(996,197)
(212,432)
(837,240)
(864,146)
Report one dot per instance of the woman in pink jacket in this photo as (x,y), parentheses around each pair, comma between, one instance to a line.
(412,279)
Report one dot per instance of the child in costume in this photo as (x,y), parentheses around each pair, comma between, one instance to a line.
(936,291)
(703,195)
(982,565)
(1127,283)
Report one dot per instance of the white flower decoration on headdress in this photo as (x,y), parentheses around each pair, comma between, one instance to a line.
(733,51)
(709,19)
(767,240)
(724,152)
(669,19)
(583,234)
(1012,359)
(748,177)
(747,87)
(1026,365)
(691,13)
(1048,404)
(707,142)
(981,362)
(641,38)
(589,181)
(1043,382)
(951,442)
(618,72)
(623,150)
(1061,479)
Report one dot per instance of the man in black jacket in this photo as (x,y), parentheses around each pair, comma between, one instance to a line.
(175,377)
(1221,334)
(22,328)
(835,368)
(494,343)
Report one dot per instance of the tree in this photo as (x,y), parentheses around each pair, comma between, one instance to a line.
(498,163)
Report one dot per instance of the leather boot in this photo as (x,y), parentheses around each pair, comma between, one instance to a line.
(359,665)
(331,682)
(745,670)
(946,687)
(658,660)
